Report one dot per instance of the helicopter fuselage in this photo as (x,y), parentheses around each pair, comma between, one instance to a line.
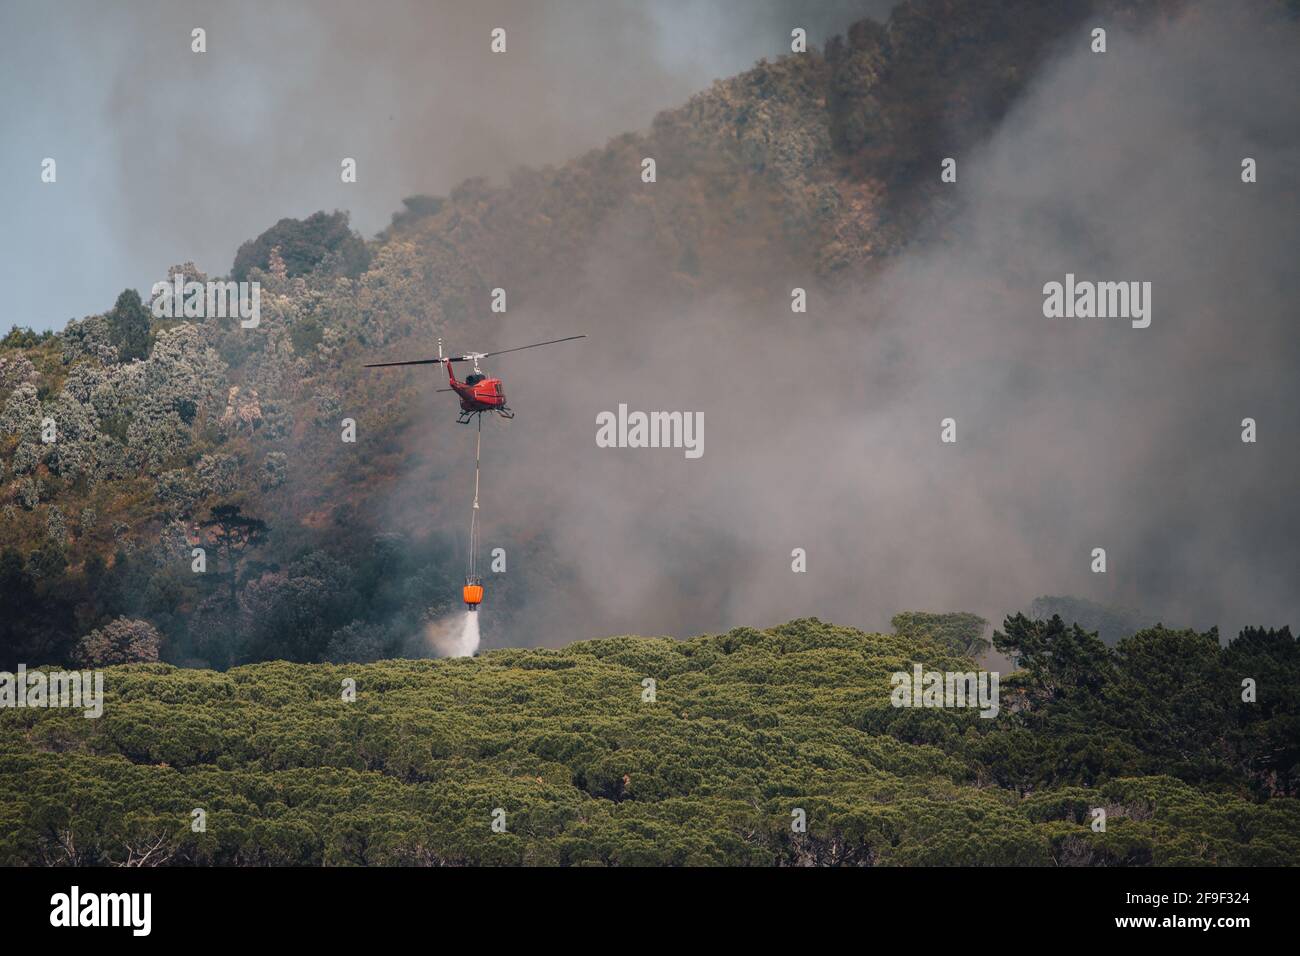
(479,393)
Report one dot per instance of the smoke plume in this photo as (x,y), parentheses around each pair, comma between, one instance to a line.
(823,430)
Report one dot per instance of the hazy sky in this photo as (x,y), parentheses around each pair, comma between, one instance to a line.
(165,155)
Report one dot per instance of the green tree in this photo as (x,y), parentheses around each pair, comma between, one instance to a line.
(1110,623)
(1059,662)
(120,642)
(1173,699)
(20,601)
(304,244)
(129,325)
(961,631)
(234,533)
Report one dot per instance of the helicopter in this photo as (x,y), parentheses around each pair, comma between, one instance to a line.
(478,392)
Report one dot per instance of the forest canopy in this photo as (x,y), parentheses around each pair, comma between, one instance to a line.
(579,764)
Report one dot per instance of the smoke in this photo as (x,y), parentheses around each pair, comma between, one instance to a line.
(823,431)
(455,636)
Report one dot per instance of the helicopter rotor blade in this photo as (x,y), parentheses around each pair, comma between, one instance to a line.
(432,361)
(473,356)
(520,348)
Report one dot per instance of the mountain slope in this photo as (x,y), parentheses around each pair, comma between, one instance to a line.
(812,169)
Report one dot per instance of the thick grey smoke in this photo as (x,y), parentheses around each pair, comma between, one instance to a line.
(823,431)
(165,155)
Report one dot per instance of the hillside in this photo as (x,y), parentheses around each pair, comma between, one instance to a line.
(741,730)
(804,167)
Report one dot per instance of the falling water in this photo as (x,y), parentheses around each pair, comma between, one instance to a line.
(468,646)
(453,637)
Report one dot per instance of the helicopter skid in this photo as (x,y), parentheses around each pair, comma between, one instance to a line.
(465,417)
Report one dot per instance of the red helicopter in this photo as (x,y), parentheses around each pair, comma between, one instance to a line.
(478,393)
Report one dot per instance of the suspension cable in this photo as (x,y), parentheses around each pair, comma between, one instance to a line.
(473,525)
